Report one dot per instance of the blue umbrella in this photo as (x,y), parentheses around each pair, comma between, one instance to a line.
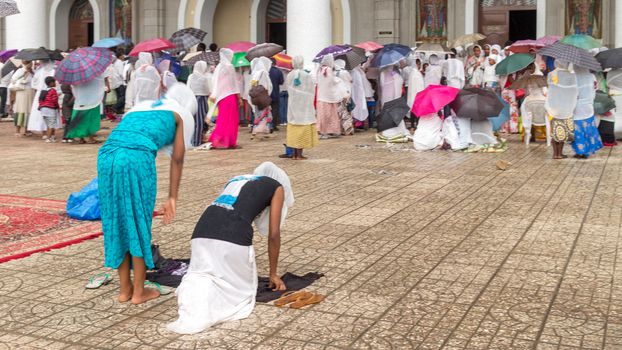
(109,42)
(503,117)
(390,55)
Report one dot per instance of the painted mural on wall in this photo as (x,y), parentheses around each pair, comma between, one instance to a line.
(584,17)
(432,21)
(122,19)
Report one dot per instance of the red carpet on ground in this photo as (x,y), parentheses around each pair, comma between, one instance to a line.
(32,225)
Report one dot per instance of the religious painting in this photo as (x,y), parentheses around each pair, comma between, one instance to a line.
(584,17)
(121,25)
(432,21)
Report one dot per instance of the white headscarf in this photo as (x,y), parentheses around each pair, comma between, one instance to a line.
(199,80)
(272,171)
(453,70)
(301,89)
(415,85)
(224,79)
(434,72)
(344,75)
(146,79)
(178,99)
(260,73)
(168,78)
(330,88)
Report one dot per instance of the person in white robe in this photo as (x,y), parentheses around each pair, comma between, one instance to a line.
(428,135)
(434,72)
(147,80)
(35,121)
(391,84)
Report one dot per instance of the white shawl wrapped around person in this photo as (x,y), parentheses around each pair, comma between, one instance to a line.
(330,88)
(361,90)
(35,120)
(301,89)
(146,79)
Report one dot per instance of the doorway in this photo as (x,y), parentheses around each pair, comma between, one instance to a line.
(277,33)
(276,22)
(522,25)
(81,24)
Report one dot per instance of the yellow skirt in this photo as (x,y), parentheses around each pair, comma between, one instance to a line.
(302,136)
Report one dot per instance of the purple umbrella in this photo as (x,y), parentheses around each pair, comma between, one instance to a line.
(6,54)
(83,65)
(335,50)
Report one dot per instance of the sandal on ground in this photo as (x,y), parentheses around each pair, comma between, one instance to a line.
(313,299)
(162,289)
(290,297)
(98,280)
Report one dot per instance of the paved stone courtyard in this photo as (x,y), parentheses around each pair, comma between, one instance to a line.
(420,250)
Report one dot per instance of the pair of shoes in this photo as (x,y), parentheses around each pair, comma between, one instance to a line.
(98,280)
(298,300)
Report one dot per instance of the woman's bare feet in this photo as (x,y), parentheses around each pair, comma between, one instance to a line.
(125,296)
(299,158)
(146,295)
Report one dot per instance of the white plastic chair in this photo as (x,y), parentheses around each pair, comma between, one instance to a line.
(534,113)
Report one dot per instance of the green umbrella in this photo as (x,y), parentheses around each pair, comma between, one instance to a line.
(603,103)
(239,60)
(514,63)
(582,41)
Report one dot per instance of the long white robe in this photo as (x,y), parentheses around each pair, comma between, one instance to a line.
(428,135)
(35,121)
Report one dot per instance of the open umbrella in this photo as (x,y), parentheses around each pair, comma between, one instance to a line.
(191,31)
(263,50)
(548,40)
(11,65)
(8,8)
(6,54)
(430,48)
(353,58)
(390,55)
(369,46)
(152,45)
(239,60)
(578,57)
(504,115)
(83,65)
(184,41)
(610,58)
(109,42)
(525,46)
(603,103)
(335,50)
(283,61)
(33,54)
(582,41)
(392,114)
(467,39)
(528,80)
(212,58)
(477,104)
(241,46)
(433,98)
(514,63)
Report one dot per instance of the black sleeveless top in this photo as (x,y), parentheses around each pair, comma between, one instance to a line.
(234,224)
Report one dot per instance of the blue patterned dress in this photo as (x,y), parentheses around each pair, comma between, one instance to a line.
(126,170)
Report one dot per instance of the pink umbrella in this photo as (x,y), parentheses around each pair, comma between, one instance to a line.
(431,99)
(524,46)
(153,45)
(241,46)
(548,40)
(369,46)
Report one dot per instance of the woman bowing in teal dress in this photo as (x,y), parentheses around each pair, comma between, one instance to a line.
(126,169)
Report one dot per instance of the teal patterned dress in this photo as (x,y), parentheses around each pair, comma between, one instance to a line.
(127,183)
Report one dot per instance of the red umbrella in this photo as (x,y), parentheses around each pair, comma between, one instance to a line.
(283,61)
(369,46)
(241,46)
(153,45)
(431,99)
(525,46)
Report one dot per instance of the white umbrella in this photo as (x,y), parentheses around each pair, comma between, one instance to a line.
(8,8)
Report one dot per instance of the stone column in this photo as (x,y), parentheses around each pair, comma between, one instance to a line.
(540,18)
(618,24)
(309,27)
(470,16)
(28,28)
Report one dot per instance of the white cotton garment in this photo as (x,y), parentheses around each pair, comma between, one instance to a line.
(562,95)
(220,285)
(35,120)
(428,135)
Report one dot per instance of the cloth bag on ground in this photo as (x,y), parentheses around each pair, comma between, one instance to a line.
(84,205)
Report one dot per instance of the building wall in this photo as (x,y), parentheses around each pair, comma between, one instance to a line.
(363,25)
(232,21)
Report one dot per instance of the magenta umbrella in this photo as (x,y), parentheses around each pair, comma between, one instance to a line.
(548,40)
(241,46)
(153,45)
(433,98)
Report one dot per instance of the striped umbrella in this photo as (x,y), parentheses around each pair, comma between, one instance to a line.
(8,8)
(212,58)
(83,65)
(353,58)
(195,32)
(577,56)
(283,61)
(184,42)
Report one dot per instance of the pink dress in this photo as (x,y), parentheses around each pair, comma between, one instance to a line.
(225,134)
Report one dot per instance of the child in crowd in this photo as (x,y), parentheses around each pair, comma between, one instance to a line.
(67,108)
(490,76)
(48,105)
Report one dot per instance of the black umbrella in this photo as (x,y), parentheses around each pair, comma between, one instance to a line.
(603,103)
(353,58)
(610,58)
(477,104)
(40,53)
(8,67)
(392,114)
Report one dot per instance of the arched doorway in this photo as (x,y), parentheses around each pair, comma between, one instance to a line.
(81,24)
(503,20)
(276,22)
(73,17)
